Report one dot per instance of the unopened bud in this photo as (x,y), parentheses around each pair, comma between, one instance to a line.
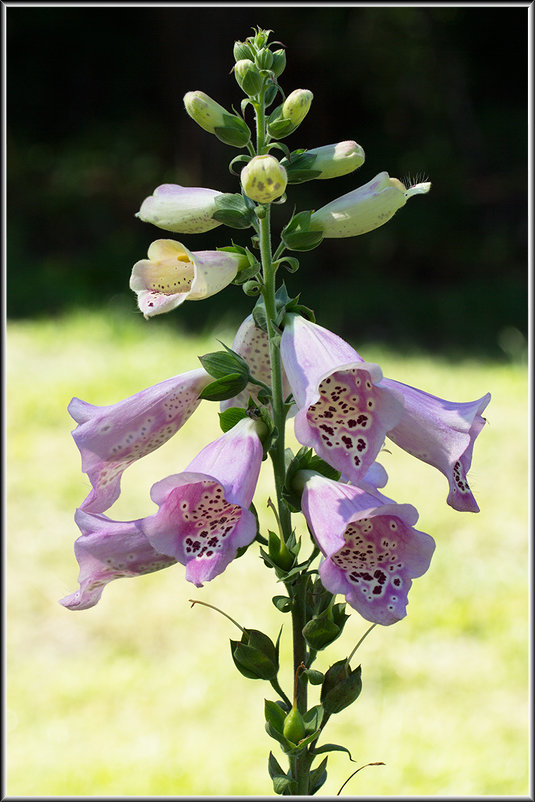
(264,59)
(248,76)
(242,50)
(279,62)
(264,179)
(296,106)
(364,208)
(215,119)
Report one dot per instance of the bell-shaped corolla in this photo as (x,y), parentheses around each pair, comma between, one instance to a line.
(365,208)
(202,521)
(110,438)
(441,433)
(183,210)
(372,551)
(343,411)
(173,274)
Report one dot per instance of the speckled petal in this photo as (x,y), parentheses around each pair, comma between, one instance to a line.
(441,433)
(372,551)
(110,550)
(343,412)
(204,515)
(111,438)
(184,210)
(252,344)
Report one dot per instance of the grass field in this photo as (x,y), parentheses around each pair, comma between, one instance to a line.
(139,695)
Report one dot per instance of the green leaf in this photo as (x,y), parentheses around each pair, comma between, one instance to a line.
(332,748)
(317,777)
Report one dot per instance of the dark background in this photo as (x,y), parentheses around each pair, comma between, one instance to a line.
(95,121)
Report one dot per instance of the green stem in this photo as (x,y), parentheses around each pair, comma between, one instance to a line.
(300,764)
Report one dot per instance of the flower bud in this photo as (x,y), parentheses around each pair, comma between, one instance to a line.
(263,179)
(264,59)
(296,106)
(329,161)
(242,50)
(279,62)
(215,119)
(365,208)
(248,76)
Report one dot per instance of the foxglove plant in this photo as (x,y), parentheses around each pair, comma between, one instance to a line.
(283,369)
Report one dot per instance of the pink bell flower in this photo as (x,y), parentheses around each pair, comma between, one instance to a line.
(441,433)
(110,438)
(343,411)
(203,519)
(372,551)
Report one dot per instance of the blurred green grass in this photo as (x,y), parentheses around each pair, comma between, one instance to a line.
(139,695)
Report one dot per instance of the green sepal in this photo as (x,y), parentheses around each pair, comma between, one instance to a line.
(313,676)
(284,786)
(274,715)
(320,631)
(243,157)
(230,417)
(317,777)
(304,460)
(232,210)
(283,555)
(282,301)
(290,263)
(270,93)
(313,719)
(252,288)
(224,388)
(220,364)
(341,687)
(297,236)
(234,131)
(299,165)
(283,604)
(255,655)
(274,768)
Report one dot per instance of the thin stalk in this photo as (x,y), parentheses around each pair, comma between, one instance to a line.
(300,764)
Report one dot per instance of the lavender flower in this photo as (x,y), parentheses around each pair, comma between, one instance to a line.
(371,550)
